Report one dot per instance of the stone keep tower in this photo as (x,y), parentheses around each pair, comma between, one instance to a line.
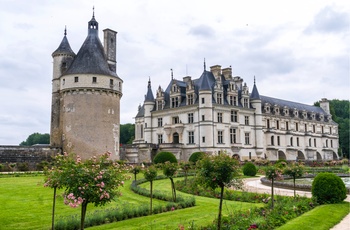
(86,93)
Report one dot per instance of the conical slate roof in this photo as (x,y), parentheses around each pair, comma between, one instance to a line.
(255,94)
(91,58)
(149,96)
(64,47)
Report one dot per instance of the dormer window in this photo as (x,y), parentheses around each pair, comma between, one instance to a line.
(219,98)
(189,99)
(267,108)
(313,116)
(174,89)
(304,115)
(296,113)
(286,111)
(245,102)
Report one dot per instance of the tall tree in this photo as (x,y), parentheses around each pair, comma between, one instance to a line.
(36,138)
(340,111)
(127,133)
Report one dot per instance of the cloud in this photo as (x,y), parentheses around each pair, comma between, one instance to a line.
(329,20)
(202,31)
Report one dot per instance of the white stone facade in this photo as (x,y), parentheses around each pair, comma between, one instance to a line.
(217,113)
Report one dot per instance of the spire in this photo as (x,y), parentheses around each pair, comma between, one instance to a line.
(93,11)
(255,93)
(172,74)
(64,47)
(204,65)
(149,96)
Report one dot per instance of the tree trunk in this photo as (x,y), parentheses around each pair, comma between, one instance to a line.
(151,184)
(135,176)
(220,207)
(272,199)
(83,212)
(53,208)
(294,185)
(173,189)
(185,177)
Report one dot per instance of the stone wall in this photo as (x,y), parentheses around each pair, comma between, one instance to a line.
(32,155)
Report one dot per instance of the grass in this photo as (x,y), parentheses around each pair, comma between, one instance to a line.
(26,204)
(323,217)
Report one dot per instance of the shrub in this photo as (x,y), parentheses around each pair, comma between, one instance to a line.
(328,188)
(23,166)
(196,156)
(249,169)
(163,157)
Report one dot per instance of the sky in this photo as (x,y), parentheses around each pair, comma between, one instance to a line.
(297,50)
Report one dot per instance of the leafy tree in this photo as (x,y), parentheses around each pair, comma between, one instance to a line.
(36,138)
(127,133)
(217,171)
(196,156)
(273,173)
(93,181)
(150,174)
(169,170)
(185,166)
(295,170)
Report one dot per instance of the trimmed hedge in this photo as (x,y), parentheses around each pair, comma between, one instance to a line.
(328,188)
(249,169)
(196,156)
(163,157)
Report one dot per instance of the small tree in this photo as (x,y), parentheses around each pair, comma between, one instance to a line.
(273,173)
(150,174)
(217,171)
(135,170)
(196,156)
(328,188)
(93,181)
(295,171)
(186,166)
(169,170)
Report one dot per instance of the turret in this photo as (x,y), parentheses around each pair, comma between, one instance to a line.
(63,57)
(255,101)
(148,106)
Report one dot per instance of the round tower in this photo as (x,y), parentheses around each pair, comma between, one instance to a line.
(63,57)
(90,93)
(149,106)
(255,101)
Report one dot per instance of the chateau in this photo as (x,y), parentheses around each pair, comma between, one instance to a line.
(217,113)
(86,93)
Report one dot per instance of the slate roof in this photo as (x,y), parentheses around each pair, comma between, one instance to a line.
(291,105)
(149,96)
(255,93)
(64,47)
(91,58)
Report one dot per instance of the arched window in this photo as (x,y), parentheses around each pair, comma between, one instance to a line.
(175,138)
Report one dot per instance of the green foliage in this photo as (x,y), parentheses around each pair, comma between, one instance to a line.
(163,157)
(36,138)
(196,156)
(294,170)
(340,110)
(135,170)
(150,173)
(127,133)
(328,188)
(249,169)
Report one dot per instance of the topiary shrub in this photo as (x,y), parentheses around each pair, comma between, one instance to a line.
(163,157)
(249,169)
(328,188)
(196,156)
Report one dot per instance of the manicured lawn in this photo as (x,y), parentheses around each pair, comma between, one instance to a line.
(26,204)
(321,218)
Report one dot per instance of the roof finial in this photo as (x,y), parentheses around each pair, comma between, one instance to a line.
(204,65)
(65,30)
(254,79)
(149,82)
(93,11)
(172,74)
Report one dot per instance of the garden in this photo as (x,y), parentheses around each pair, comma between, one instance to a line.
(204,193)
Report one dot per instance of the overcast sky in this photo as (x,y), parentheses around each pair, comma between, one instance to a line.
(297,50)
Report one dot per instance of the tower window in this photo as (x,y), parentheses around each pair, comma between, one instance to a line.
(94,79)
(76,79)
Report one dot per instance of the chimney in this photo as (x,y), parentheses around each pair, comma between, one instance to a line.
(110,48)
(324,104)
(216,70)
(187,79)
(227,72)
